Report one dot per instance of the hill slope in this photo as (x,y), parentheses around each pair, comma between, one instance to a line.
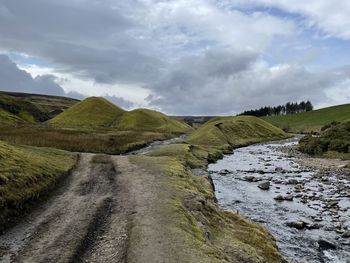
(98,112)
(19,108)
(312,120)
(26,173)
(149,120)
(227,132)
(91,112)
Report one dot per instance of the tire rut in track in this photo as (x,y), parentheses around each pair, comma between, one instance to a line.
(86,222)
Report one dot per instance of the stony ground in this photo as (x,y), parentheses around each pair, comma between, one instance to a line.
(323,165)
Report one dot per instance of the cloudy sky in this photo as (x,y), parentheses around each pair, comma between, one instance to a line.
(179,56)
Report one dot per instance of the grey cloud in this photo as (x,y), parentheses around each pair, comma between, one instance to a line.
(123,103)
(249,84)
(14,79)
(93,39)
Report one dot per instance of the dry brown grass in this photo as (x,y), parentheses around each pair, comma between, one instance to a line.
(98,141)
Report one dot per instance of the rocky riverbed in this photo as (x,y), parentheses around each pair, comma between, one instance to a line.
(304,202)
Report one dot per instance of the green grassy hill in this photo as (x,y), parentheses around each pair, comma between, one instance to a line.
(149,120)
(95,112)
(312,120)
(228,132)
(27,173)
(91,112)
(21,108)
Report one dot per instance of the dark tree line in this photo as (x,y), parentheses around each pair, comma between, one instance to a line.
(288,108)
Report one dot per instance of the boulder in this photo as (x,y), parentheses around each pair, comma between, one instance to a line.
(264,185)
(249,178)
(292,181)
(324,244)
(224,172)
(346,234)
(279,198)
(296,224)
(289,198)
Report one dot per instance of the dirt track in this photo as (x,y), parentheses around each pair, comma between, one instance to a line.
(86,220)
(101,213)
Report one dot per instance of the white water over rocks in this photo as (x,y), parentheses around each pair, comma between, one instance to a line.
(308,212)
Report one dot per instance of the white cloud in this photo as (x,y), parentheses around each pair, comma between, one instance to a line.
(330,16)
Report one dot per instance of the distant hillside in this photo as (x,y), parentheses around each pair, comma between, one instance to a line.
(227,132)
(149,120)
(19,108)
(194,121)
(91,112)
(311,121)
(96,112)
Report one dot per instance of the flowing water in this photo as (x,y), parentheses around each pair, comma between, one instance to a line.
(310,222)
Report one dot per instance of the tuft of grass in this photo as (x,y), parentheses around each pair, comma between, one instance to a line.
(26,173)
(149,120)
(311,121)
(91,112)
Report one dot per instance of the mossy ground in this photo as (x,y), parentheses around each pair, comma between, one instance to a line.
(311,121)
(26,173)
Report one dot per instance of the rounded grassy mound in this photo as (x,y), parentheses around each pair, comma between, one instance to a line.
(91,112)
(149,120)
(227,132)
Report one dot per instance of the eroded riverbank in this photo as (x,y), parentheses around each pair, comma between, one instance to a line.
(307,210)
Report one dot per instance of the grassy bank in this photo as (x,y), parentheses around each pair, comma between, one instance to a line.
(208,233)
(333,142)
(311,121)
(82,140)
(222,134)
(27,173)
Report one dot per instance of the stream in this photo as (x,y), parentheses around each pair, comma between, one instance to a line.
(307,213)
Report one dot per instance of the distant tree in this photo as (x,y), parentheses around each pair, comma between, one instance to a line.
(288,108)
(308,106)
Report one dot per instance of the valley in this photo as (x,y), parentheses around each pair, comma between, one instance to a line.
(97,183)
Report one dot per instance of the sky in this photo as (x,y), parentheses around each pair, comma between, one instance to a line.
(182,57)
